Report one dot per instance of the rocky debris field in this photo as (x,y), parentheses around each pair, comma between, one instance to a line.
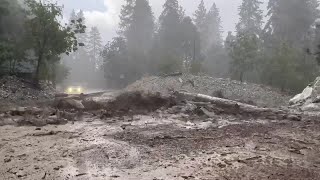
(161,131)
(185,137)
(17,91)
(73,108)
(245,92)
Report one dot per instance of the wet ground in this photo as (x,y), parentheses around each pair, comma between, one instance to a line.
(161,146)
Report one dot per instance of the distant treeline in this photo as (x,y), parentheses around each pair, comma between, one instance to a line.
(282,52)
(279,52)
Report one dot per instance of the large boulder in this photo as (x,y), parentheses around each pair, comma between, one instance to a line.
(312,107)
(316,89)
(69,103)
(309,99)
(302,97)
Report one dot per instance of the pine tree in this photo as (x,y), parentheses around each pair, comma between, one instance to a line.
(141,28)
(290,20)
(230,40)
(4,10)
(246,46)
(95,46)
(200,16)
(140,31)
(250,18)
(216,63)
(287,34)
(190,44)
(213,29)
(169,36)
(73,16)
(126,17)
(83,37)
(116,68)
(200,22)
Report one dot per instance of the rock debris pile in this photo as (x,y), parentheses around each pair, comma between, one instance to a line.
(16,90)
(224,88)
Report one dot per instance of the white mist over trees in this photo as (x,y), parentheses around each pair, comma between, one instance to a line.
(94,46)
(272,52)
(84,65)
(279,48)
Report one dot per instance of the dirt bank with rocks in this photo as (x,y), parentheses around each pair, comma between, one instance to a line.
(14,90)
(245,92)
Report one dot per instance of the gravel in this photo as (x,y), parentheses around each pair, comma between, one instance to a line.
(225,88)
(15,90)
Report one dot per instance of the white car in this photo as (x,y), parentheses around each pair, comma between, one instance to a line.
(74,90)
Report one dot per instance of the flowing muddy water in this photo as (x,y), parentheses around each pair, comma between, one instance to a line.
(161,146)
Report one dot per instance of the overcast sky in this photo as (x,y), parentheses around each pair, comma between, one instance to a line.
(105,13)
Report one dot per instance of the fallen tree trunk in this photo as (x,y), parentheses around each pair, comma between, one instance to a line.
(237,108)
(172,74)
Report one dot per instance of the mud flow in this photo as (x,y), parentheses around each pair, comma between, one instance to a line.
(138,136)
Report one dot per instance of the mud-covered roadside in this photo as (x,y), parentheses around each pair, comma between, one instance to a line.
(165,144)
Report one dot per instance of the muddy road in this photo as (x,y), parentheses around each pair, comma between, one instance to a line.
(163,146)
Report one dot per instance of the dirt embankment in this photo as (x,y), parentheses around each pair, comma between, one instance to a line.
(245,92)
(15,91)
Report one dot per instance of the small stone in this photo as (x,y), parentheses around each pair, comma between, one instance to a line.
(114,176)
(188,177)
(294,118)
(21,174)
(21,109)
(6,160)
(220,165)
(58,168)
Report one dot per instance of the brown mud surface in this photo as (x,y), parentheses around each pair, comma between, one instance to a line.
(163,146)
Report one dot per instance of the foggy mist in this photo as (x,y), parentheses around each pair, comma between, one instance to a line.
(119,42)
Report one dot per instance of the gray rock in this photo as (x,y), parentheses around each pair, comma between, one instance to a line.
(21,110)
(294,118)
(302,97)
(6,160)
(207,113)
(7,121)
(21,173)
(69,103)
(188,108)
(311,107)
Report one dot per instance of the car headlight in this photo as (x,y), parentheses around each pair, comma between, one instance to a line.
(79,89)
(69,90)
